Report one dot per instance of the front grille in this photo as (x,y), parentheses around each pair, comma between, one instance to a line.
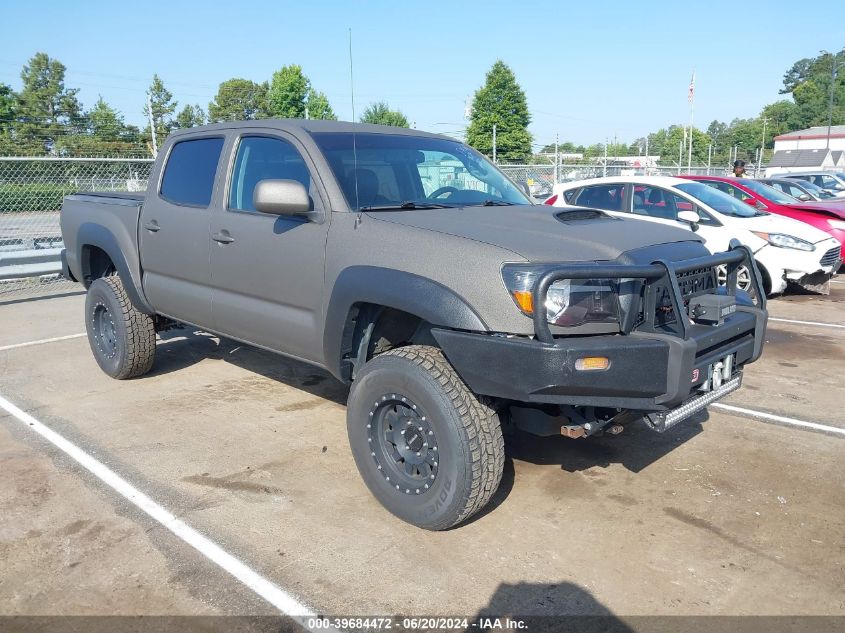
(696,282)
(830,257)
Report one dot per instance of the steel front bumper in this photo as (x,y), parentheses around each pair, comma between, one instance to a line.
(647,371)
(653,366)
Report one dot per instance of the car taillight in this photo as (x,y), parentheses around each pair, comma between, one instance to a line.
(551,200)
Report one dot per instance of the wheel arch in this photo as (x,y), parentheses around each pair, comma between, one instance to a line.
(100,254)
(370,303)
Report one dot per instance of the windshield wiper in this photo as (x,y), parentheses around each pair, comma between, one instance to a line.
(497,203)
(407,206)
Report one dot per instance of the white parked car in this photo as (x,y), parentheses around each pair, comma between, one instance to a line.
(787,251)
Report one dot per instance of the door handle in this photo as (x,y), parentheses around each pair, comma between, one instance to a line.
(153,226)
(223,237)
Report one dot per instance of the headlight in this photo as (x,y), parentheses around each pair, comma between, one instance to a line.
(837,224)
(785,241)
(569,302)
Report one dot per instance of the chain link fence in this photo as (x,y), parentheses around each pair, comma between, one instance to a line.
(31,193)
(32,189)
(542,178)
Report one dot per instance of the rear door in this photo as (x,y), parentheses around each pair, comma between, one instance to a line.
(174,233)
(267,270)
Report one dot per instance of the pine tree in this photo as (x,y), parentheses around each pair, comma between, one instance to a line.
(163,107)
(500,102)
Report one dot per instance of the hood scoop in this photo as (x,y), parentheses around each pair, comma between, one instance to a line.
(570,216)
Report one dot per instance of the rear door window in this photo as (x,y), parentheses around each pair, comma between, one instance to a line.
(188,177)
(606,197)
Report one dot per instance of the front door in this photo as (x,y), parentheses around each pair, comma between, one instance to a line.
(173,236)
(267,270)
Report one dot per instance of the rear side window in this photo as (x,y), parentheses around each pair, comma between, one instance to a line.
(607,197)
(189,174)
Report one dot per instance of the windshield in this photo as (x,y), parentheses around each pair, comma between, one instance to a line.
(403,171)
(719,201)
(814,189)
(769,193)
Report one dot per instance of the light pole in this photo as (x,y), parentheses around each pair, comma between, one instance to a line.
(833,68)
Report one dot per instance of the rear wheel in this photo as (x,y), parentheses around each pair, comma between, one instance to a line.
(121,337)
(428,448)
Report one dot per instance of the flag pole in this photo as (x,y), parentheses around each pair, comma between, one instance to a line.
(691,98)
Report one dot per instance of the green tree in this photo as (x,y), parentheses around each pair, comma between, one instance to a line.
(163,107)
(104,122)
(288,93)
(500,102)
(319,106)
(239,100)
(46,108)
(190,116)
(809,83)
(381,114)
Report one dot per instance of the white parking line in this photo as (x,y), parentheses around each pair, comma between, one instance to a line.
(807,322)
(42,341)
(265,588)
(771,417)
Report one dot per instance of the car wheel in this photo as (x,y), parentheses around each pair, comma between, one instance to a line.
(428,448)
(743,279)
(121,337)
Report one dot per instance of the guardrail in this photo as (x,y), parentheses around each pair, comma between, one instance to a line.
(34,262)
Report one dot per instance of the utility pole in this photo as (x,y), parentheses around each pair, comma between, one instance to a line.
(494,142)
(763,147)
(604,169)
(645,173)
(833,68)
(680,156)
(152,125)
(709,157)
(557,157)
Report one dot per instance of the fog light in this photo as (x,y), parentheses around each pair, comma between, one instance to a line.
(592,363)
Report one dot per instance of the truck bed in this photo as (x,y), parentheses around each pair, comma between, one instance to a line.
(109,213)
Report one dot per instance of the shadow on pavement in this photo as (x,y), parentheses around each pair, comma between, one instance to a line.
(547,607)
(180,348)
(635,449)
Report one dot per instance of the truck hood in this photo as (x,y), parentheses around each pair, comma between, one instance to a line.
(543,233)
(773,223)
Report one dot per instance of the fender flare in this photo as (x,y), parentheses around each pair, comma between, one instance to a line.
(427,299)
(91,234)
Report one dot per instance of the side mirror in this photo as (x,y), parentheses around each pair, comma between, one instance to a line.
(690,217)
(805,197)
(281,197)
(751,202)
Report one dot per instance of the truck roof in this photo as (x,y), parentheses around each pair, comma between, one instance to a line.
(308,126)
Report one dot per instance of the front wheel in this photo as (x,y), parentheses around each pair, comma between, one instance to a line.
(428,449)
(122,338)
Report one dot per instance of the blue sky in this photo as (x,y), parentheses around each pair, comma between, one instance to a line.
(590,70)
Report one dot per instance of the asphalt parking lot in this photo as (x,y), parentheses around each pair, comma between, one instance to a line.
(727,514)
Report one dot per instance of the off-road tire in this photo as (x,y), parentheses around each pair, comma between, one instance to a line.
(464,428)
(122,338)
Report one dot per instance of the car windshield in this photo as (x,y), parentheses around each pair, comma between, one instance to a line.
(814,189)
(769,193)
(399,171)
(717,200)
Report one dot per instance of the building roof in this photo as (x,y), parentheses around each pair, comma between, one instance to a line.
(799,157)
(820,131)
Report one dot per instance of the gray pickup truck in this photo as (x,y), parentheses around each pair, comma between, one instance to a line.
(411,268)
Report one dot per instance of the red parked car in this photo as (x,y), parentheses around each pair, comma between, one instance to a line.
(827,216)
